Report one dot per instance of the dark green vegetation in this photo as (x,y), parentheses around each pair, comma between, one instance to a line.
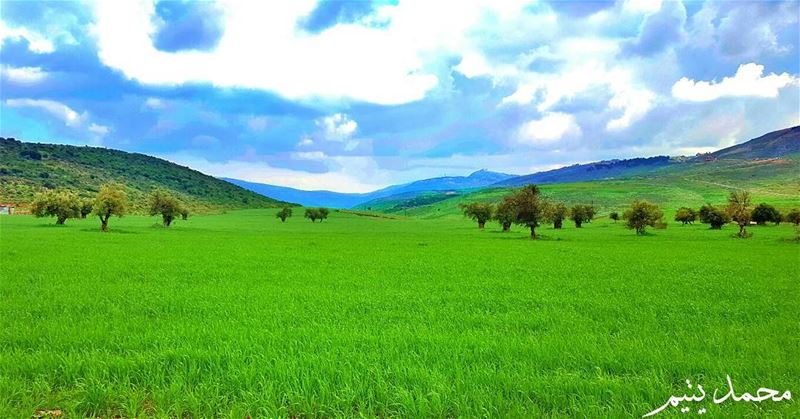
(371,316)
(29,168)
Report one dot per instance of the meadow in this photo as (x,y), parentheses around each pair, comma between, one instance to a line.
(238,314)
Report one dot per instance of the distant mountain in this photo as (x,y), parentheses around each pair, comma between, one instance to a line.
(478,179)
(775,144)
(28,168)
(609,169)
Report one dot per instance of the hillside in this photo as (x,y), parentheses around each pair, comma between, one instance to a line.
(478,179)
(774,144)
(592,171)
(28,168)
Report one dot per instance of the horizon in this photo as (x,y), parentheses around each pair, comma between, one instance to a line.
(356,96)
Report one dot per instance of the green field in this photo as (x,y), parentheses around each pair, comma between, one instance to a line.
(238,314)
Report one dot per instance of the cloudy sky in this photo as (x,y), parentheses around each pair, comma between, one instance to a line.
(352,96)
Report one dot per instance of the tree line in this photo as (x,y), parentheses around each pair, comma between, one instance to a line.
(529,208)
(111,200)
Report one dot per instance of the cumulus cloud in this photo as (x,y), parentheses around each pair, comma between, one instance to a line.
(549,129)
(37,42)
(749,80)
(67,115)
(23,75)
(257,123)
(337,127)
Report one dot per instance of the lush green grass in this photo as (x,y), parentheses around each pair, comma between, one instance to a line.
(239,314)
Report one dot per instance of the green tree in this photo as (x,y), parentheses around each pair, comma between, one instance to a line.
(556,213)
(61,204)
(284,213)
(111,200)
(506,213)
(685,215)
(793,217)
(714,216)
(642,214)
(764,213)
(86,207)
(312,214)
(322,213)
(478,211)
(614,216)
(739,210)
(581,214)
(162,202)
(531,208)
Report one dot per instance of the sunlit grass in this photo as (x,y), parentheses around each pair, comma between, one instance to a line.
(239,314)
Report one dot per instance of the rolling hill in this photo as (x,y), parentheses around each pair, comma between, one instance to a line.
(478,179)
(28,168)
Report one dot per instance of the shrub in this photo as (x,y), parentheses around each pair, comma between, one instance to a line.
(162,202)
(685,215)
(284,213)
(714,216)
(556,213)
(764,213)
(582,214)
(793,217)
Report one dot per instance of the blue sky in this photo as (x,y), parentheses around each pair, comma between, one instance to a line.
(353,96)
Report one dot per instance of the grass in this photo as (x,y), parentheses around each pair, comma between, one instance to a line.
(238,314)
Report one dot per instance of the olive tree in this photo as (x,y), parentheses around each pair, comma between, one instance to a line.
(556,213)
(739,210)
(506,213)
(165,204)
(581,214)
(312,214)
(110,200)
(714,216)
(614,216)
(793,217)
(322,213)
(59,204)
(478,211)
(86,207)
(531,208)
(642,214)
(284,213)
(764,213)
(685,215)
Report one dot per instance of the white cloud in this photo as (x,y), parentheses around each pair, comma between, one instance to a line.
(98,129)
(551,128)
(305,142)
(337,127)
(634,103)
(37,43)
(749,80)
(70,117)
(155,103)
(642,6)
(23,75)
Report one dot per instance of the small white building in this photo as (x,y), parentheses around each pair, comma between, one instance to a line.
(6,208)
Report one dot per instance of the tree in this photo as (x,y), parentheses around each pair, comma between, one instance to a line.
(478,211)
(162,202)
(531,208)
(714,216)
(506,213)
(738,210)
(581,214)
(110,200)
(556,213)
(614,216)
(793,217)
(764,213)
(86,207)
(284,213)
(312,214)
(322,213)
(685,215)
(642,214)
(59,204)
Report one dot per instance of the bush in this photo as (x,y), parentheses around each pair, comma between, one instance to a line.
(284,213)
(685,215)
(59,204)
(793,217)
(582,214)
(764,213)
(713,216)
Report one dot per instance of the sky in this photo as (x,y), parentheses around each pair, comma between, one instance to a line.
(355,96)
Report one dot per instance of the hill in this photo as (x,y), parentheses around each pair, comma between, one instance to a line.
(775,144)
(478,179)
(592,171)
(28,168)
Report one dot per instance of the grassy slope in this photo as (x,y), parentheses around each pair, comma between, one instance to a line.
(239,314)
(772,181)
(84,169)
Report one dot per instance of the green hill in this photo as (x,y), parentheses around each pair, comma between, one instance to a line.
(775,181)
(28,168)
